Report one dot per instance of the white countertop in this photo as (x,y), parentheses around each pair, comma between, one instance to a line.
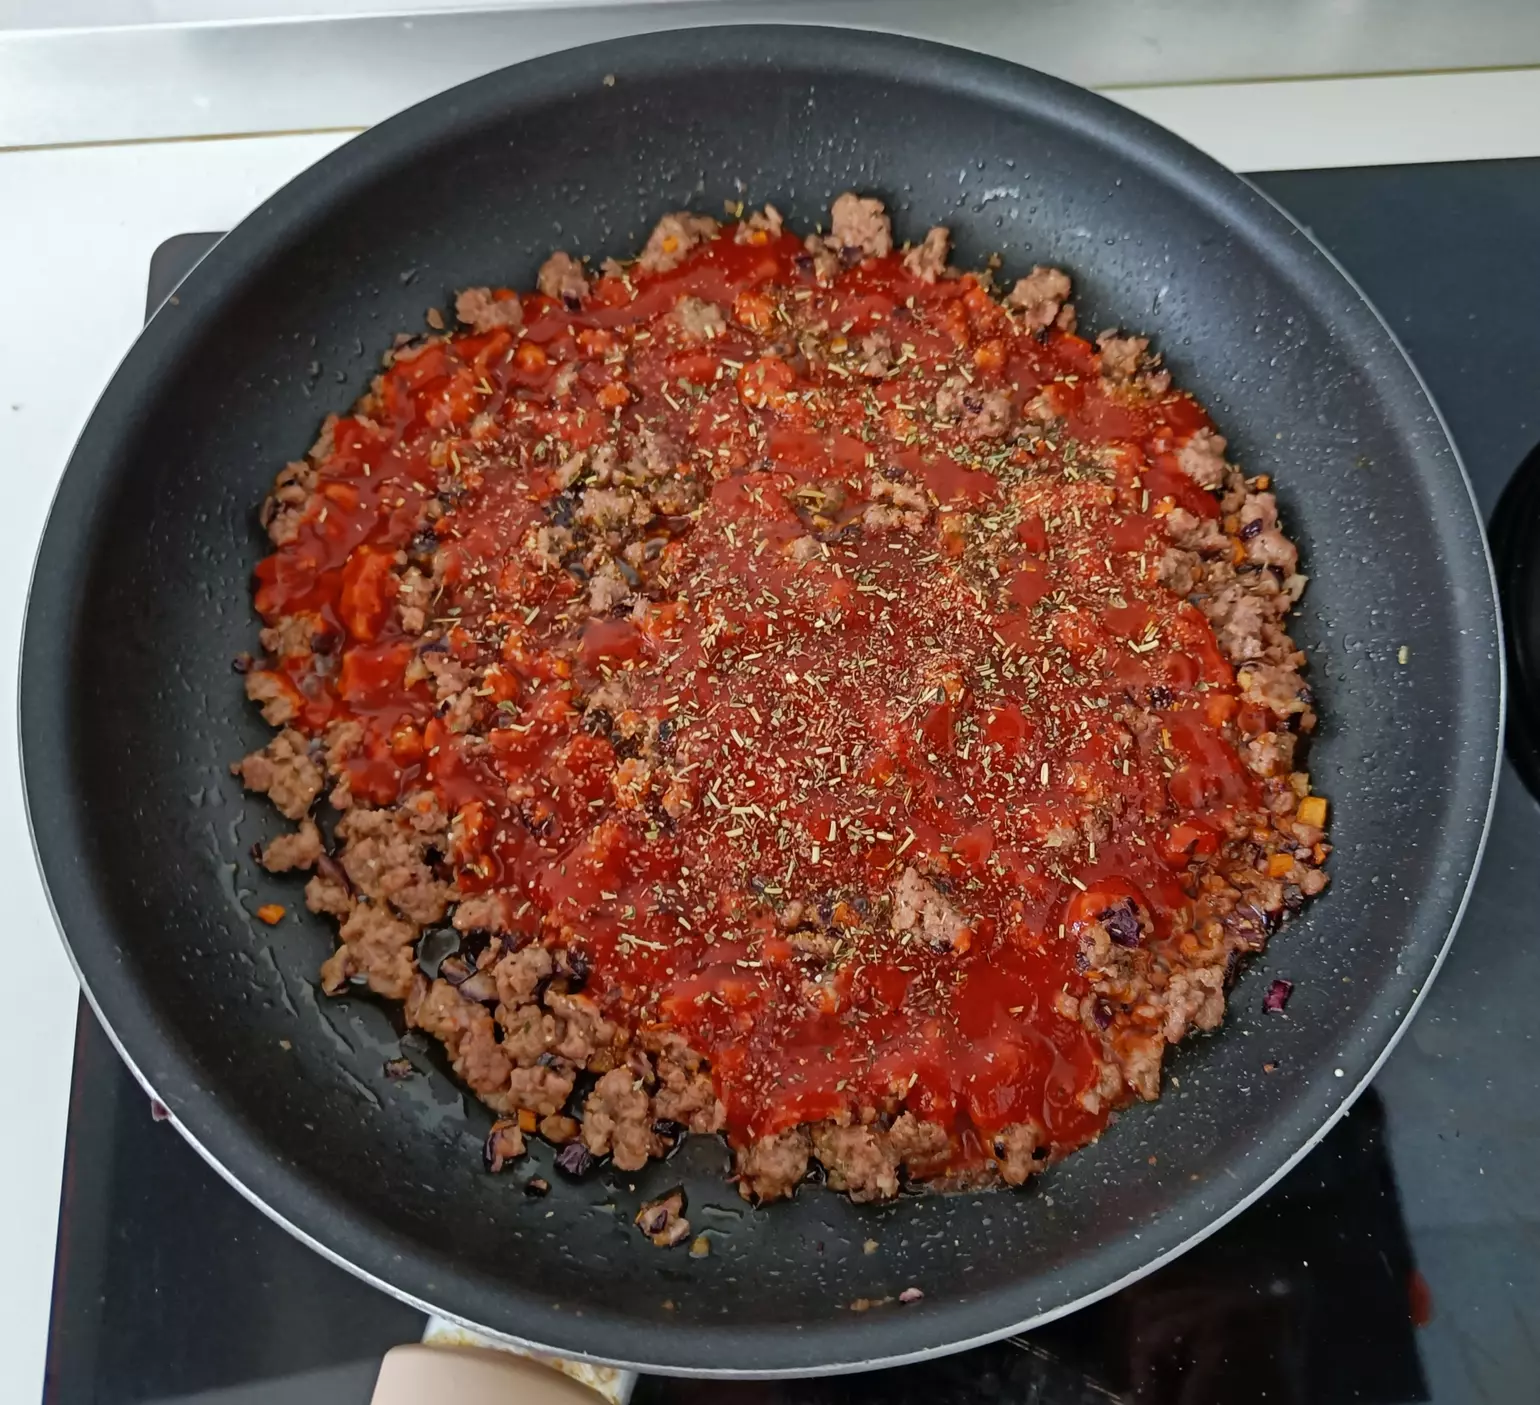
(86,218)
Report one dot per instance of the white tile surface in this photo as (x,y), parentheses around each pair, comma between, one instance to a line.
(86,221)
(1352,121)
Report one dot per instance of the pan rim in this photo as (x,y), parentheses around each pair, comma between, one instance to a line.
(225,1142)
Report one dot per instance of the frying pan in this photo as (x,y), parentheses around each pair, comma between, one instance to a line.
(130,714)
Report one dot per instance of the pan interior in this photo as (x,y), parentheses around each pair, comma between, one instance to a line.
(131,713)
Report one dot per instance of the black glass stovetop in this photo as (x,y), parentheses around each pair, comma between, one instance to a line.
(1399,1262)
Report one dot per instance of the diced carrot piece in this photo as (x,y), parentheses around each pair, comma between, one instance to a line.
(271,913)
(1312,811)
(754,310)
(990,355)
(613,395)
(527,1120)
(1219,708)
(765,382)
(530,356)
(1278,865)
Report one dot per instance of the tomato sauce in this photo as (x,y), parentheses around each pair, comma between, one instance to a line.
(831,701)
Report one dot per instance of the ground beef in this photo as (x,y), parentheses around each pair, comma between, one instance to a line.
(414,597)
(774,1166)
(617,1120)
(584,1031)
(1180,571)
(330,894)
(1202,458)
(918,1145)
(385,856)
(467,1030)
(492,911)
(1042,296)
(293,636)
(485,311)
(277,697)
(760,226)
(529,1032)
(927,260)
(876,355)
(519,974)
(298,850)
(1265,544)
(561,277)
(672,240)
(1281,690)
(559,1129)
(1121,357)
(685,1092)
(698,319)
(1192,999)
(859,1160)
(284,772)
(983,414)
(1017,1149)
(611,509)
(860,225)
(284,509)
(377,946)
(918,907)
(608,590)
(896,505)
(543,1088)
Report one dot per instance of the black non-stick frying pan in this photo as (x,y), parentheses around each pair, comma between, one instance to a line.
(130,714)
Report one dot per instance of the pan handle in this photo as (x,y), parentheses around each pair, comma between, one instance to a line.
(470,1375)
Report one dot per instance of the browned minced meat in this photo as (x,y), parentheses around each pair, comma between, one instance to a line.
(543,1089)
(617,1119)
(1043,298)
(1017,1149)
(860,1161)
(985,414)
(860,224)
(774,1166)
(467,1030)
(1202,458)
(561,277)
(767,223)
(385,856)
(293,636)
(485,312)
(274,694)
(673,238)
(1128,361)
(298,850)
(284,772)
(284,509)
(377,946)
(928,259)
(919,907)
(918,1145)
(685,1093)
(698,319)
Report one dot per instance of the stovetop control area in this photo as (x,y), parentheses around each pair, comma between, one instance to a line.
(1399,1262)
